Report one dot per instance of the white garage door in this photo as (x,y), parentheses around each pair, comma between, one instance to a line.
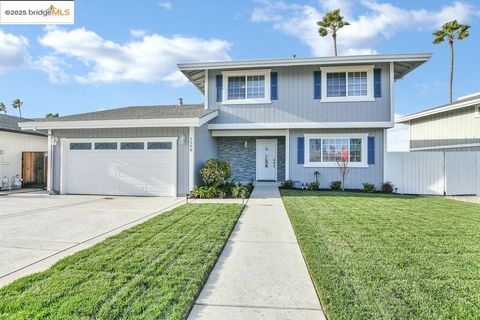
(146,167)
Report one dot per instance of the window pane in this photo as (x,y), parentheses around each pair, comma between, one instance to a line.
(81,146)
(106,146)
(131,145)
(315,150)
(336,84)
(255,87)
(332,149)
(236,88)
(159,145)
(356,150)
(357,83)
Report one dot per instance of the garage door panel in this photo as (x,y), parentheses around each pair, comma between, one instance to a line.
(121,172)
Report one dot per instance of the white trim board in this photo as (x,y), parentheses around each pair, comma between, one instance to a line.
(300,125)
(131,123)
(249,133)
(465,145)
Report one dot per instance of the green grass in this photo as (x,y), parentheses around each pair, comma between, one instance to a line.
(151,271)
(376,256)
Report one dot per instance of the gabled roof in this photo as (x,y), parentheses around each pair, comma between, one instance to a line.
(462,102)
(10,123)
(403,64)
(135,116)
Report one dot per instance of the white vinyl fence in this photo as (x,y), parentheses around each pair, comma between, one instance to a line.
(435,173)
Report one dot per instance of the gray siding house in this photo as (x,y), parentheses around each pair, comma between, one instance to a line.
(451,127)
(273,119)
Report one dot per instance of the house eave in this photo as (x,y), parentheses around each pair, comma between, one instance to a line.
(300,125)
(129,123)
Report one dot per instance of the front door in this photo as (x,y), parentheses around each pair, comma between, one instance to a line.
(267,159)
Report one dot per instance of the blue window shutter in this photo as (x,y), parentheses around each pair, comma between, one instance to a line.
(300,150)
(219,87)
(377,83)
(274,86)
(317,85)
(371,150)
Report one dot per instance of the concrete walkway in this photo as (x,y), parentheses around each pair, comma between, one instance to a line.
(261,273)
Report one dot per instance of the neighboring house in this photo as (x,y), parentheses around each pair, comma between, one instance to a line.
(451,127)
(273,119)
(16,143)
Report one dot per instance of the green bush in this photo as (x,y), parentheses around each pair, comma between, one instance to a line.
(215,172)
(368,187)
(227,187)
(250,187)
(336,185)
(314,185)
(205,192)
(288,184)
(239,191)
(387,187)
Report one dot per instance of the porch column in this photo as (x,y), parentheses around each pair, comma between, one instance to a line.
(287,154)
(191,158)
(49,162)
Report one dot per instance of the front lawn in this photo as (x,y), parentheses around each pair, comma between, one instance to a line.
(151,271)
(375,256)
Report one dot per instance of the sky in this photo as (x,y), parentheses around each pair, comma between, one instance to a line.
(120,53)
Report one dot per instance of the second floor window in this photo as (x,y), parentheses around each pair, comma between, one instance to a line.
(244,87)
(347,84)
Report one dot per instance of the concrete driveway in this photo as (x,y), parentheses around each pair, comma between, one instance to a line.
(36,229)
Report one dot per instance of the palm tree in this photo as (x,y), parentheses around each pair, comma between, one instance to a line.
(17,104)
(451,30)
(332,22)
(51,115)
(3,108)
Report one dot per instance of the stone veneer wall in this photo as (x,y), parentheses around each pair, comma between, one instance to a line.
(243,160)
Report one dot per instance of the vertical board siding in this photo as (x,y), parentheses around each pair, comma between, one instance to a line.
(454,127)
(13,144)
(296,101)
(434,173)
(182,150)
(357,176)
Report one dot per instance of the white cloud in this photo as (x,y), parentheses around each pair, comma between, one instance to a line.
(165,5)
(138,33)
(146,58)
(13,51)
(54,67)
(377,21)
(398,137)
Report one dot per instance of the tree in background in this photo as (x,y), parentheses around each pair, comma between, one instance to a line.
(51,115)
(452,31)
(3,108)
(17,104)
(332,22)
(343,166)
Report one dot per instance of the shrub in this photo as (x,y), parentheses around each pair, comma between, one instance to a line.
(227,187)
(250,186)
(387,187)
(314,185)
(205,192)
(336,185)
(368,187)
(288,184)
(215,172)
(239,191)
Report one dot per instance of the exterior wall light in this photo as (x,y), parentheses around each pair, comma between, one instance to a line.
(181,139)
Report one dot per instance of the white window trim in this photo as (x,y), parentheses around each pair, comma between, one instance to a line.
(368,97)
(260,72)
(362,164)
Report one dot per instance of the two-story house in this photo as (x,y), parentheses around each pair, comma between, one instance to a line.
(273,119)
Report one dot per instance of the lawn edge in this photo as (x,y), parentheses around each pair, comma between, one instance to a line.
(216,261)
(324,311)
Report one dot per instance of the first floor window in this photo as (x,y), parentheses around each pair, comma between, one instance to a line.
(331,149)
